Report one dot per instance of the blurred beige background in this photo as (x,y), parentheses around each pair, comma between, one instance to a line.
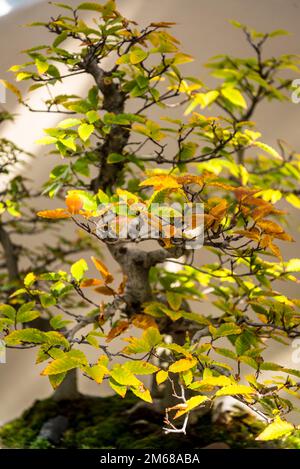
(203,28)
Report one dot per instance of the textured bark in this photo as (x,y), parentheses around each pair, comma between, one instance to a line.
(10,256)
(113,101)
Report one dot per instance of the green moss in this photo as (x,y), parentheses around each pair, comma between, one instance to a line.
(104,423)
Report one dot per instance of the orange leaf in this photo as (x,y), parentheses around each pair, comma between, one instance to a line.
(275,250)
(57,213)
(117,330)
(108,278)
(226,187)
(251,234)
(284,236)
(208,220)
(90,282)
(219,210)
(190,179)
(261,212)
(266,241)
(143,321)
(270,227)
(74,203)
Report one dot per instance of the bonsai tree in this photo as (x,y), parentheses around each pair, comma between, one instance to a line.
(150,192)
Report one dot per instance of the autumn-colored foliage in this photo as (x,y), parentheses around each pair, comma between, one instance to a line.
(122,168)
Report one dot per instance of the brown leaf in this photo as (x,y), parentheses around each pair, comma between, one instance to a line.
(105,290)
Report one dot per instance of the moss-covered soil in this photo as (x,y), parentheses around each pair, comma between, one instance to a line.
(105,423)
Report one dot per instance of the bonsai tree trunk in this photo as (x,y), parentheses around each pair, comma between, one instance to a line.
(68,389)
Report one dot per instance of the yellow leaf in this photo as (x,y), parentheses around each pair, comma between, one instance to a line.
(142,392)
(293,200)
(234,96)
(190,404)
(162,181)
(161,376)
(12,88)
(233,389)
(182,365)
(276,429)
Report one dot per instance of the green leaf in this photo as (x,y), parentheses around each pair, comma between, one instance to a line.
(276,429)
(150,338)
(47,300)
(225,329)
(27,316)
(137,55)
(56,380)
(29,335)
(123,376)
(68,143)
(46,141)
(67,123)
(8,311)
(68,361)
(60,38)
(58,322)
(140,367)
(90,6)
(174,300)
(97,372)
(78,269)
(271,151)
(42,66)
(92,116)
(234,96)
(115,158)
(85,131)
